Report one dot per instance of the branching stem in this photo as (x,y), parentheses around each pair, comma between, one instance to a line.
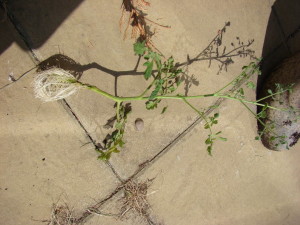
(201,114)
(178,97)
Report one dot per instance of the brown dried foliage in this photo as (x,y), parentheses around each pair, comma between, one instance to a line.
(135,198)
(134,10)
(62,215)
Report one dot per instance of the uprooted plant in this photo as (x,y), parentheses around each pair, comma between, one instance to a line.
(165,76)
(165,79)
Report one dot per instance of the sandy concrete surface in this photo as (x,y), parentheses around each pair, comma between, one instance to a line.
(46,151)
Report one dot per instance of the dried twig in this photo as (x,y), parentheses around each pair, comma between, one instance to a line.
(62,215)
(137,21)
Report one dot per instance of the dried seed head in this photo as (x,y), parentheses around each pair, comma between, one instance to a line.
(54,84)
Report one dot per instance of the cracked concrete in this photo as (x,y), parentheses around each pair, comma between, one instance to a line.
(51,144)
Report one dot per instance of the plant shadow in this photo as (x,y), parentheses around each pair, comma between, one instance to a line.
(215,51)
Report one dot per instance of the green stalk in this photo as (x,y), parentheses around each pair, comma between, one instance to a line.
(99,91)
(198,112)
(234,80)
(251,102)
(269,96)
(148,88)
(259,120)
(140,97)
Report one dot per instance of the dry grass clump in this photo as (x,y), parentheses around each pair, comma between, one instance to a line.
(135,198)
(62,215)
(54,84)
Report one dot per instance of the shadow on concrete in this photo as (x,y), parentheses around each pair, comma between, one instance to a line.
(42,16)
(215,51)
(76,69)
(282,38)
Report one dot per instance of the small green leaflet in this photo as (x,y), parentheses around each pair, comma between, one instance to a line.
(158,87)
(139,48)
(164,110)
(152,104)
(251,85)
(148,71)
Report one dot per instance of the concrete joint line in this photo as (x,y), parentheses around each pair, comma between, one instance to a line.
(69,109)
(25,38)
(37,60)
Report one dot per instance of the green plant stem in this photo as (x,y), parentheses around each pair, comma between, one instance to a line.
(148,88)
(122,99)
(228,84)
(254,114)
(233,81)
(259,120)
(99,91)
(269,96)
(198,112)
(141,97)
(251,102)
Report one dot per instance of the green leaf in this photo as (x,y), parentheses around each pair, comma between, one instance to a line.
(251,85)
(115,150)
(158,87)
(272,138)
(216,115)
(222,138)
(270,91)
(148,70)
(257,138)
(209,149)
(178,82)
(152,104)
(104,155)
(164,110)
(208,141)
(172,88)
(139,48)
(241,91)
(206,126)
(262,114)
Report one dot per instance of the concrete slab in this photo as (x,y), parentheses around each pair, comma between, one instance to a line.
(242,183)
(44,152)
(91,34)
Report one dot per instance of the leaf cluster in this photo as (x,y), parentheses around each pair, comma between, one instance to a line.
(114,141)
(166,74)
(212,137)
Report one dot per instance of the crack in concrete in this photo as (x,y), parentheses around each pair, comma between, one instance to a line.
(25,38)
(69,108)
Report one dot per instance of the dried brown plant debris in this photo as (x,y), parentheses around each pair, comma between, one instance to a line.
(134,10)
(62,215)
(135,198)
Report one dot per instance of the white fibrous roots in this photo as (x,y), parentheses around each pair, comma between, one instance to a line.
(54,84)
